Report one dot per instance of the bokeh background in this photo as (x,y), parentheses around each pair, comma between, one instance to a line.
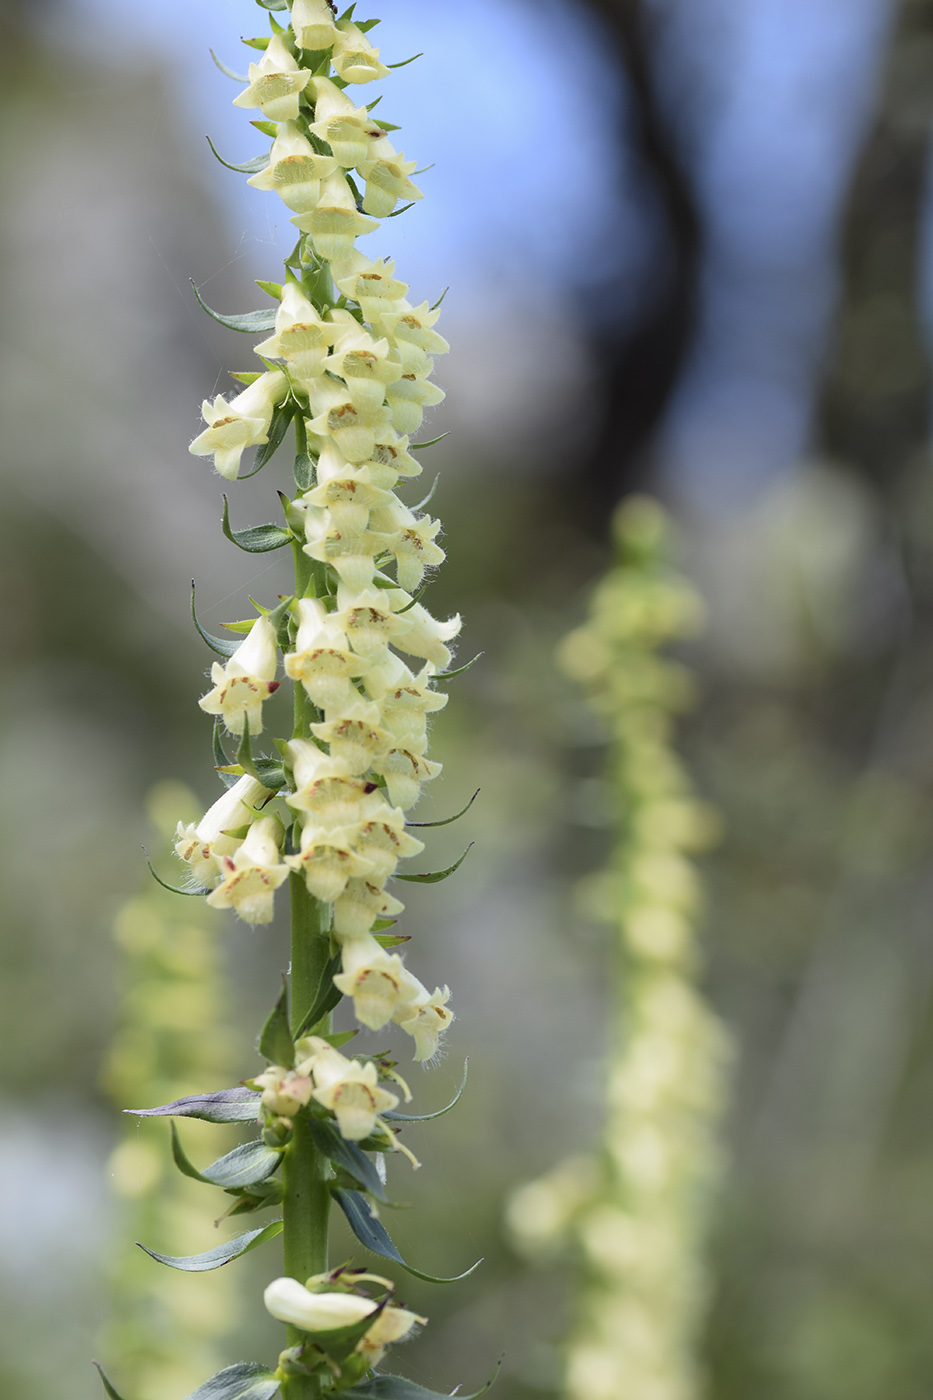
(690,249)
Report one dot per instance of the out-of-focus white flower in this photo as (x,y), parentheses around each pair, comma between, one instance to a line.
(377,982)
(354,57)
(241,423)
(202,845)
(245,681)
(275,83)
(352,1092)
(252,874)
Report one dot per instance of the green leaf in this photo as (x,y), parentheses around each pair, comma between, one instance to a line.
(246,1165)
(275,1042)
(439,1113)
(113,1394)
(248,167)
(382,1387)
(417,446)
(448,675)
(237,77)
(247,1380)
(447,820)
(273,4)
(239,1105)
(277,429)
(221,1254)
(248,321)
(255,539)
(373,1234)
(220,758)
(434,877)
(268,771)
(218,644)
(346,1154)
(326,997)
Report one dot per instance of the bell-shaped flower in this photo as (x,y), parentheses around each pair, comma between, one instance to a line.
(387,181)
(360,905)
(201,846)
(354,742)
(426,635)
(425,1018)
(327,860)
(351,553)
(313,24)
(241,686)
(348,495)
(404,700)
(350,131)
(252,874)
(333,799)
(241,423)
(302,339)
(364,364)
(275,83)
(414,325)
(372,284)
(408,397)
(390,460)
(295,170)
(322,660)
(335,221)
(404,772)
(289,1301)
(352,1092)
(370,622)
(354,57)
(284,1091)
(354,427)
(377,982)
(384,842)
(392,1325)
(413,539)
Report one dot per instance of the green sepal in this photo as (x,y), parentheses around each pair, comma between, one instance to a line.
(247,1380)
(434,877)
(268,771)
(108,1388)
(382,1387)
(255,539)
(248,167)
(388,126)
(172,889)
(246,1165)
(347,1155)
(456,817)
(419,595)
(340,1038)
(221,1254)
(392,940)
(448,675)
(294,518)
(245,376)
(274,289)
(326,997)
(417,446)
(304,464)
(430,496)
(273,5)
(221,761)
(341,1340)
(446,289)
(251,322)
(405,207)
(267,129)
(237,1105)
(277,429)
(275,1041)
(367,24)
(373,1234)
(218,644)
(438,1113)
(261,42)
(229,73)
(270,1192)
(405,61)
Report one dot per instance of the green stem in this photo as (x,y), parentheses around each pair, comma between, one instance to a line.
(306,1203)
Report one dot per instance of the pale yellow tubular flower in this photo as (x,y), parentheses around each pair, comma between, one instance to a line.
(354,57)
(370,621)
(334,222)
(414,326)
(354,742)
(202,846)
(328,859)
(252,874)
(404,772)
(404,700)
(275,83)
(372,284)
(408,397)
(424,636)
(241,423)
(349,496)
(390,460)
(387,181)
(414,541)
(425,1019)
(313,24)
(295,170)
(352,1092)
(349,130)
(383,841)
(354,428)
(392,1325)
(322,660)
(333,799)
(352,553)
(377,981)
(360,905)
(245,681)
(365,366)
(289,1301)
(284,1091)
(301,338)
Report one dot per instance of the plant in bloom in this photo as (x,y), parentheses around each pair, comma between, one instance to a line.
(635,1215)
(345,363)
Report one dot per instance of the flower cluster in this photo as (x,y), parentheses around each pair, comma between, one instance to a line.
(333,1307)
(349,360)
(637,1217)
